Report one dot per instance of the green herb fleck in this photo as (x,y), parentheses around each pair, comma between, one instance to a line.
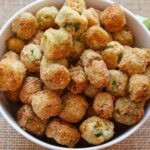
(72,27)
(119,58)
(114,85)
(147,23)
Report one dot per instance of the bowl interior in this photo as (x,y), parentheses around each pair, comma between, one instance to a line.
(8,109)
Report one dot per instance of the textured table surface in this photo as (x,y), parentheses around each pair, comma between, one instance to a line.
(11,140)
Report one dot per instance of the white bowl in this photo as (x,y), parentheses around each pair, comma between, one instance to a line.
(142,39)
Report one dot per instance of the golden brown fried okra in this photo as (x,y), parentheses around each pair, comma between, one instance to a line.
(12,72)
(71,21)
(78,80)
(30,86)
(46,17)
(139,88)
(147,71)
(46,104)
(134,61)
(112,54)
(92,16)
(113,18)
(15,45)
(127,112)
(90,90)
(96,130)
(55,76)
(77,5)
(27,120)
(13,95)
(56,44)
(25,26)
(124,37)
(74,108)
(104,105)
(96,37)
(77,49)
(118,83)
(63,133)
(31,56)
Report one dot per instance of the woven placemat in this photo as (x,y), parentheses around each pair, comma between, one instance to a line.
(11,140)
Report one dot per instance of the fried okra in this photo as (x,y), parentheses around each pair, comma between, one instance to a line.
(13,95)
(104,105)
(63,133)
(127,112)
(124,37)
(77,5)
(77,50)
(46,17)
(27,120)
(55,76)
(73,108)
(12,72)
(15,45)
(147,50)
(96,130)
(88,56)
(30,86)
(25,26)
(118,83)
(90,90)
(134,61)
(112,54)
(71,21)
(46,104)
(56,44)
(97,74)
(78,80)
(31,56)
(92,16)
(113,18)
(139,88)
(96,37)
(37,38)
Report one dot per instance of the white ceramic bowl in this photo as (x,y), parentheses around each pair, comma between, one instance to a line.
(142,39)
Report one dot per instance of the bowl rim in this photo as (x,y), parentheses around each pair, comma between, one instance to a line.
(12,123)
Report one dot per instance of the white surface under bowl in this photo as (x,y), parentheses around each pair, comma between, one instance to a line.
(142,39)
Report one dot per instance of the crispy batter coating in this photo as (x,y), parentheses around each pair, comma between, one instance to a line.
(12,72)
(113,18)
(127,112)
(74,108)
(31,56)
(30,86)
(134,61)
(96,37)
(139,88)
(90,90)
(13,95)
(124,37)
(56,44)
(118,83)
(78,80)
(46,104)
(104,105)
(46,17)
(27,120)
(15,44)
(25,26)
(96,130)
(55,76)
(71,21)
(63,133)
(112,54)
(92,16)
(147,71)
